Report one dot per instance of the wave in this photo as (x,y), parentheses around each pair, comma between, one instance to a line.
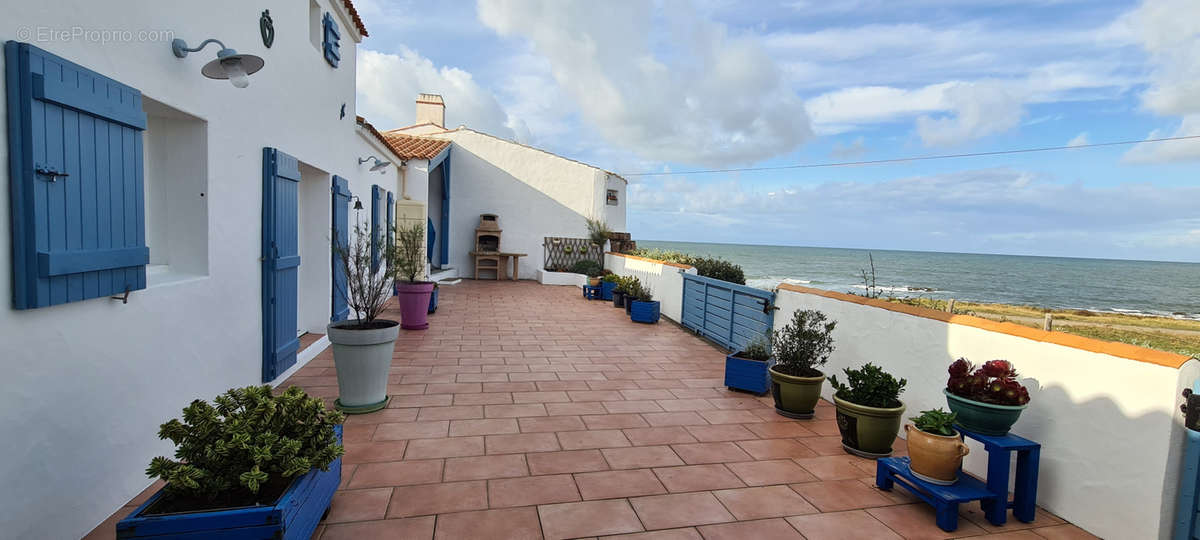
(902,288)
(770,282)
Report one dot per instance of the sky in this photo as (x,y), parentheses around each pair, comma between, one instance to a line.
(680,87)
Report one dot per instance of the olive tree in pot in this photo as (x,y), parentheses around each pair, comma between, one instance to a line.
(362,346)
(800,348)
(869,410)
(409,263)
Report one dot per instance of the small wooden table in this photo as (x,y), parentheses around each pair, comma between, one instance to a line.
(501,259)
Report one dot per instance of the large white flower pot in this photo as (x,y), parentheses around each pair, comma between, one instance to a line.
(363,359)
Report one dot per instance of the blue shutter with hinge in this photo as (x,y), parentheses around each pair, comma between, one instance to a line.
(75,181)
(445,247)
(331,45)
(391,221)
(281,261)
(376,225)
(341,235)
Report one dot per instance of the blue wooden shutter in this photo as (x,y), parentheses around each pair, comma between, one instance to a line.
(281,261)
(341,235)
(391,221)
(75,175)
(331,45)
(376,225)
(445,247)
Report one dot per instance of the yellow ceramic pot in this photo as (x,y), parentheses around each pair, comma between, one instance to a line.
(935,458)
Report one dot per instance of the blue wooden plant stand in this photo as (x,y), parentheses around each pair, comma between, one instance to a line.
(293,517)
(992,495)
(592,292)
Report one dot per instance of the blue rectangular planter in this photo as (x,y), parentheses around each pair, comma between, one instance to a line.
(294,516)
(748,375)
(644,312)
(606,290)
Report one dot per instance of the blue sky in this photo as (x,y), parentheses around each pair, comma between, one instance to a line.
(682,86)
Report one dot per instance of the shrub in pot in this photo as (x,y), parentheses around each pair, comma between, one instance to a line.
(934,447)
(250,462)
(633,291)
(868,410)
(608,285)
(589,268)
(362,346)
(987,400)
(641,305)
(409,263)
(747,369)
(800,347)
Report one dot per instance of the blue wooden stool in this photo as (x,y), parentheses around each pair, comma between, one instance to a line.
(944,499)
(1000,449)
(592,292)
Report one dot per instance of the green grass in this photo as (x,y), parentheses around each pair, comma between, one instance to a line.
(1142,338)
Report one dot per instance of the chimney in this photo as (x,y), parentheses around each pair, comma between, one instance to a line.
(431,109)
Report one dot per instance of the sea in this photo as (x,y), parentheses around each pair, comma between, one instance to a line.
(1170,289)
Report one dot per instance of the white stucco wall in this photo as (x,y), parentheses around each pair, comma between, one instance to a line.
(87,383)
(535,194)
(1109,426)
(665,281)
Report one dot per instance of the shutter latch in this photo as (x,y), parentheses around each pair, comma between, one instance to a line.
(50,171)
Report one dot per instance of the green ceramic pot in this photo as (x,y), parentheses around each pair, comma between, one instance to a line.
(983,418)
(795,397)
(868,431)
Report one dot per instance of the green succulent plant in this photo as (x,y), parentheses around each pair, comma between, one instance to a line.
(870,386)
(935,421)
(244,440)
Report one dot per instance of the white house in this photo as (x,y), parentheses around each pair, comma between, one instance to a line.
(535,193)
(168,232)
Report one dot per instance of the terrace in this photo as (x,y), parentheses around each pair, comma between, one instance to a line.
(526,411)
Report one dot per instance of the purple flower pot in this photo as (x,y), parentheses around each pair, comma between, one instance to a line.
(414,304)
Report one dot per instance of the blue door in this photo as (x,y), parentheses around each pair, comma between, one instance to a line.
(1187,513)
(444,252)
(731,315)
(281,260)
(341,235)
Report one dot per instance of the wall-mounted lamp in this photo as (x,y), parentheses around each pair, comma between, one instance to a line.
(228,65)
(378,166)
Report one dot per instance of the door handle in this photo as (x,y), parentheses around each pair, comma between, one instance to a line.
(50,171)
(767,307)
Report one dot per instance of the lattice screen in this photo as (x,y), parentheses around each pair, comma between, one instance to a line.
(563,253)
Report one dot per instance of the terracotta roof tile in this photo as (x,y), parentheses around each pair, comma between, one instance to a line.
(362,29)
(406,146)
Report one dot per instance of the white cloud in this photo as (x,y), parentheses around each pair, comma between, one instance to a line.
(388,85)
(1169,32)
(1079,140)
(664,83)
(978,110)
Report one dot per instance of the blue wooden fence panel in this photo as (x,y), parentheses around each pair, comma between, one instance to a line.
(75,180)
(281,261)
(731,315)
(341,234)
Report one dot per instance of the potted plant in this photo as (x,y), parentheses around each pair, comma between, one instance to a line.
(590,268)
(643,308)
(633,291)
(409,265)
(608,284)
(987,400)
(618,295)
(868,410)
(935,448)
(747,369)
(598,232)
(362,346)
(800,348)
(251,464)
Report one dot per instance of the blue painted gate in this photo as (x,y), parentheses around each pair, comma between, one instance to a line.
(1187,514)
(341,235)
(731,315)
(281,260)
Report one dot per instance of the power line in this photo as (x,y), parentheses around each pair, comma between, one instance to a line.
(914,158)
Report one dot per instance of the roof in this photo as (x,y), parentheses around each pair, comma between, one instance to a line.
(406,146)
(358,22)
(466,129)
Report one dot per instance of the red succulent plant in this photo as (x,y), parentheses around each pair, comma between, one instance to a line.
(994,382)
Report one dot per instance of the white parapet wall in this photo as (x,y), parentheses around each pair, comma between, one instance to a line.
(664,279)
(546,277)
(1106,414)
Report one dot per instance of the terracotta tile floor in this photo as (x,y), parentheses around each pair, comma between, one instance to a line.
(528,412)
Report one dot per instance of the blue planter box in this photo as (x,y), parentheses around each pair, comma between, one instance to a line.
(644,312)
(433,300)
(748,375)
(294,516)
(606,290)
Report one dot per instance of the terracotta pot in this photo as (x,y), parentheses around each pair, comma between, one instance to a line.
(795,397)
(935,458)
(594,281)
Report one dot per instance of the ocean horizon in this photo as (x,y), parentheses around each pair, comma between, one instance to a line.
(1137,287)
